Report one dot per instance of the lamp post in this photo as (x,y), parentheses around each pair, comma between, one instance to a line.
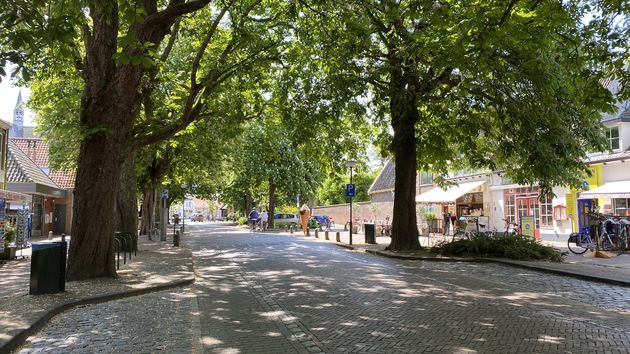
(350,164)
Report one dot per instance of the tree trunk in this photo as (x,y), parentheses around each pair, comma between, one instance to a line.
(248,204)
(147,221)
(126,206)
(404,114)
(272,201)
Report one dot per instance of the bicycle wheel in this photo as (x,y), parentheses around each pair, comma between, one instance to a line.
(606,243)
(575,245)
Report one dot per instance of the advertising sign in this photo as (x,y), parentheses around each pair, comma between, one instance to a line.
(528,227)
(2,216)
(21,227)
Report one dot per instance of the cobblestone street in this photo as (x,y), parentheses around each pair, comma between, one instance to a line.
(159,322)
(270,293)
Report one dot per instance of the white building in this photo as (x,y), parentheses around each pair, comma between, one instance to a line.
(495,197)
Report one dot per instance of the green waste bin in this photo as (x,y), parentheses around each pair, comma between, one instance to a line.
(370,233)
(48,268)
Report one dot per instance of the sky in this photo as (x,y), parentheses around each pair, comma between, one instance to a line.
(8,97)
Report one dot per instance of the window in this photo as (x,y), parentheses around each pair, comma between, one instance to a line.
(426,178)
(621,206)
(546,212)
(510,207)
(613,138)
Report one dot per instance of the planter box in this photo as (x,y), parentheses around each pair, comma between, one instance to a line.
(9,253)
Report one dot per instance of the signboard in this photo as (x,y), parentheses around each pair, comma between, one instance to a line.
(571,210)
(351,190)
(528,227)
(2,216)
(21,227)
(164,193)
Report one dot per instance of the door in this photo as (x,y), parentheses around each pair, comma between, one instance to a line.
(59,219)
(529,207)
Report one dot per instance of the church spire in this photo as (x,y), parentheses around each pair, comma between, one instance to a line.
(18,118)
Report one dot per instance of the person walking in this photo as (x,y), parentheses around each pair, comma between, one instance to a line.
(253,219)
(447,222)
(305,214)
(264,217)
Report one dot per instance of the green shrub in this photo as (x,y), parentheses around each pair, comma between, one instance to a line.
(241,221)
(518,248)
(9,235)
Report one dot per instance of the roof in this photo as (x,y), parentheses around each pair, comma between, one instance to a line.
(21,169)
(35,148)
(63,179)
(385,180)
(622,114)
(608,157)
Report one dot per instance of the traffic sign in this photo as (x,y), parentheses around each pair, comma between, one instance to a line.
(164,193)
(351,190)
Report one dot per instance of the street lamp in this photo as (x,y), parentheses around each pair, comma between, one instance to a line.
(350,164)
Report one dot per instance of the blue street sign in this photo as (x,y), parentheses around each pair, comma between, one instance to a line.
(351,190)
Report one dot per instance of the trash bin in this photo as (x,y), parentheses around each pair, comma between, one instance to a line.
(370,232)
(48,268)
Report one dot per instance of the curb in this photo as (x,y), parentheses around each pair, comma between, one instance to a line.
(497,261)
(21,337)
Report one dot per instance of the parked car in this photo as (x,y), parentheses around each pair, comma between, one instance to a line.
(319,221)
(196,217)
(280,219)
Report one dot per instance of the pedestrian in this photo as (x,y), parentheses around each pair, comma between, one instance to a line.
(305,214)
(447,222)
(264,217)
(253,219)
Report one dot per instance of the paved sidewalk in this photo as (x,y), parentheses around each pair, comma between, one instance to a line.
(614,270)
(157,266)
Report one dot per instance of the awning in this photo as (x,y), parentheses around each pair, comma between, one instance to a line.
(438,195)
(619,189)
(15,197)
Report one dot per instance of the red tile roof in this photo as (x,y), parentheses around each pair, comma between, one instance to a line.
(63,179)
(35,148)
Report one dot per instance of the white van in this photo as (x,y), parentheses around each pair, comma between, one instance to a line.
(280,219)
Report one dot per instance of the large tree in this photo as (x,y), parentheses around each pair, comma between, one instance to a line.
(509,84)
(123,56)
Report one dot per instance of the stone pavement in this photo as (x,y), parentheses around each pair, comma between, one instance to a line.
(614,270)
(158,267)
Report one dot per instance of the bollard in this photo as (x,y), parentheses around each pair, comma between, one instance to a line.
(63,237)
(291,229)
(50,235)
(326,235)
(316,233)
(176,239)
(338,237)
(308,232)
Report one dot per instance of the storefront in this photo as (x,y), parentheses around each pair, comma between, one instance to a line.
(461,200)
(611,198)
(523,202)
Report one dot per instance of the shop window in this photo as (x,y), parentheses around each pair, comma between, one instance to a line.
(621,206)
(510,207)
(426,178)
(546,212)
(613,138)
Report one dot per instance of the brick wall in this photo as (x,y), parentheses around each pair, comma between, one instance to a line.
(340,213)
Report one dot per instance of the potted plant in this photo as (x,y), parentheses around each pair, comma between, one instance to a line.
(9,236)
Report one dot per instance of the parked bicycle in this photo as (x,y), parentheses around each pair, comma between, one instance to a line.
(613,235)
(511,228)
